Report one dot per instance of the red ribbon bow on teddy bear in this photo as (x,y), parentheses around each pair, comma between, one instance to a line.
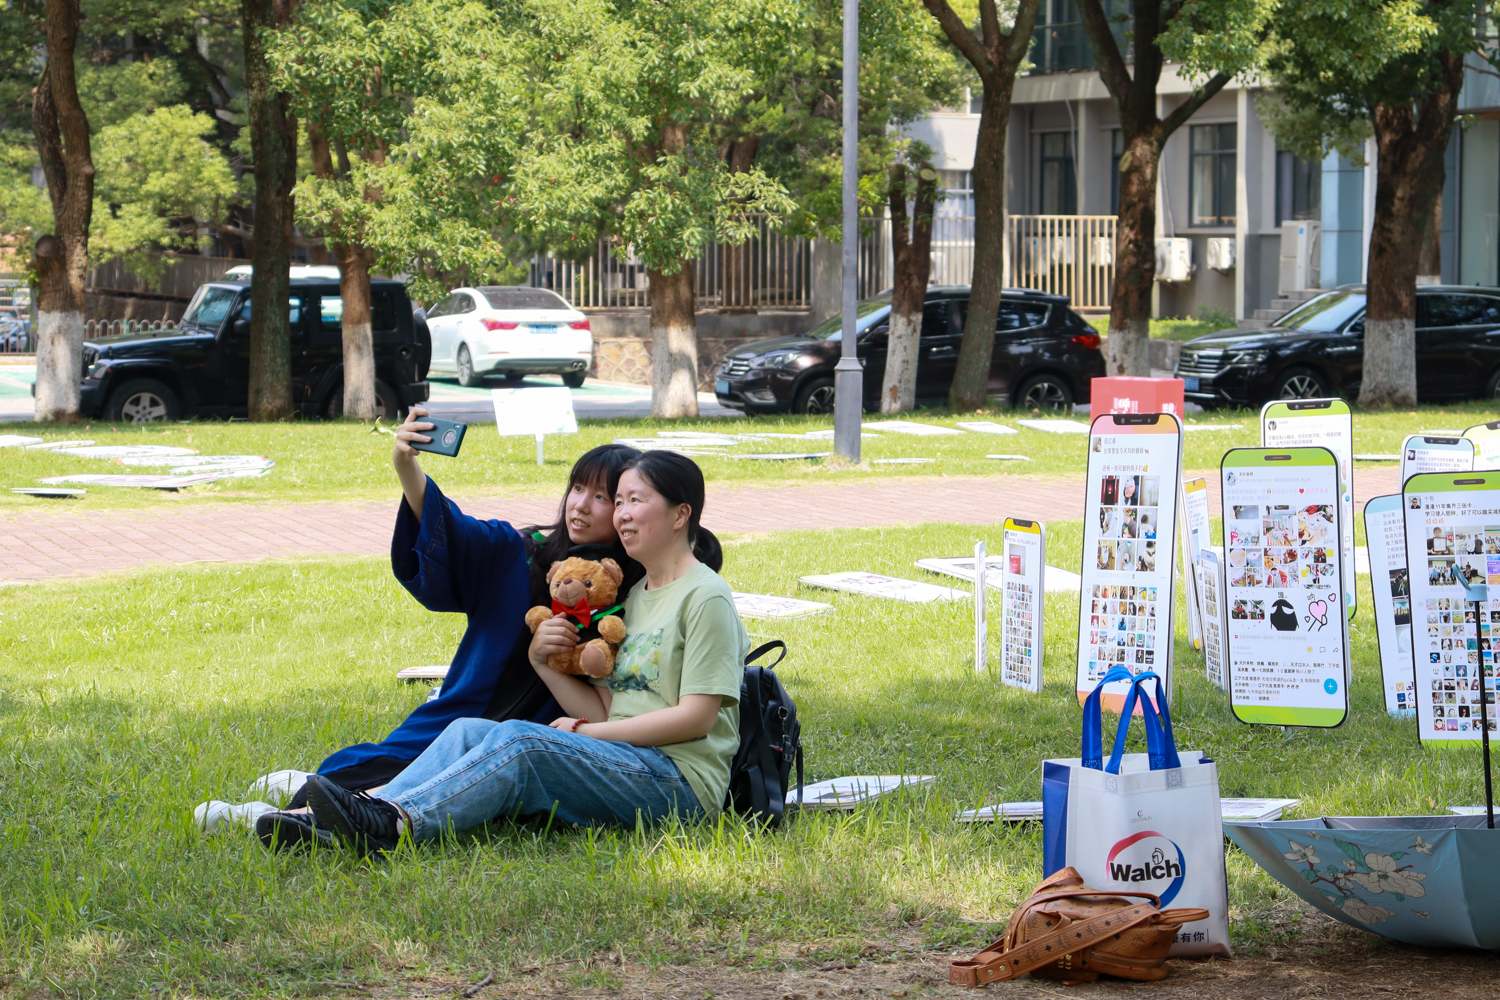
(580,612)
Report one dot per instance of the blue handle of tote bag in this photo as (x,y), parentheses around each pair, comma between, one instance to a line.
(1161,745)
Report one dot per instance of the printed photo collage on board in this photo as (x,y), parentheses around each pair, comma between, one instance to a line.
(1278,547)
(1123,617)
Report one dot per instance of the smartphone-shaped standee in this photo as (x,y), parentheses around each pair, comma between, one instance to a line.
(447,437)
(1390,587)
(1023,603)
(1486,439)
(1287,646)
(1215,618)
(1453,537)
(1195,537)
(1129,531)
(1430,453)
(1321,423)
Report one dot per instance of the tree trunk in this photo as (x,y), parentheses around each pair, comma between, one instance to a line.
(60,260)
(971,379)
(273,144)
(912,265)
(674,344)
(359,345)
(736,294)
(1410,143)
(1128,349)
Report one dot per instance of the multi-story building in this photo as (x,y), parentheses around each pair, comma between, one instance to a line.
(1222,178)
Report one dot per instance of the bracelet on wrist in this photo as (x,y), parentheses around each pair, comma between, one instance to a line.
(576,723)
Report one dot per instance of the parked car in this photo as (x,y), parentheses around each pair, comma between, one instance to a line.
(511,332)
(1317,350)
(203,366)
(1045,355)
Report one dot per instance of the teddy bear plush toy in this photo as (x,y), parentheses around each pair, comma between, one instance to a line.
(584,590)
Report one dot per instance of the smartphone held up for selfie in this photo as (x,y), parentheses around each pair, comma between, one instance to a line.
(447,437)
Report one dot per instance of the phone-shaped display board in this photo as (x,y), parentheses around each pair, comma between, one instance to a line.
(1130,523)
(1430,453)
(1320,423)
(1287,648)
(1215,619)
(1452,531)
(1486,438)
(1390,585)
(1195,535)
(1022,603)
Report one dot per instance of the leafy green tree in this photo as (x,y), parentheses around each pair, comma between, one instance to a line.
(995,49)
(1395,67)
(1212,41)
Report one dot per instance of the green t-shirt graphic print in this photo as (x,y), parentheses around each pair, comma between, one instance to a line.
(685,638)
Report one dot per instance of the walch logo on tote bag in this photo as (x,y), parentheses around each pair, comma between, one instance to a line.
(1150,861)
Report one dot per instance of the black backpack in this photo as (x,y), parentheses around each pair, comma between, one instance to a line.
(770,742)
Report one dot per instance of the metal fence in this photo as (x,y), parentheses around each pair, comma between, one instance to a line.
(114,327)
(1072,255)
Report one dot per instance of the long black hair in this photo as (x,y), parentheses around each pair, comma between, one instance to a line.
(599,466)
(679,481)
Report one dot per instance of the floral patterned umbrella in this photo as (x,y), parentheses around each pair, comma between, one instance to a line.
(1429,880)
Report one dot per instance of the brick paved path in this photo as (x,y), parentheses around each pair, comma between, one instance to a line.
(54,544)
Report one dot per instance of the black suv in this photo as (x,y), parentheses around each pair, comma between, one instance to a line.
(1045,355)
(203,366)
(1317,350)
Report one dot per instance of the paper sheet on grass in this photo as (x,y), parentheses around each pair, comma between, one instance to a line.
(1010,458)
(1232,811)
(782,456)
(1056,426)
(772,606)
(1053,579)
(848,792)
(58,445)
(894,588)
(909,427)
(17,440)
(901,461)
(433,673)
(48,491)
(197,461)
(141,481)
(128,451)
(670,443)
(985,427)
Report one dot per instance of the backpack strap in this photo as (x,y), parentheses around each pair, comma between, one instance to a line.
(765,648)
(998,963)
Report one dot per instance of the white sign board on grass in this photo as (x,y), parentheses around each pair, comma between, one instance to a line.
(894,588)
(1390,589)
(770,606)
(1212,613)
(848,792)
(981,625)
(1023,605)
(909,427)
(1195,535)
(534,412)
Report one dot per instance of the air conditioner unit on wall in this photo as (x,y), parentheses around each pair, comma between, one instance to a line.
(1221,253)
(1301,253)
(1102,251)
(1174,259)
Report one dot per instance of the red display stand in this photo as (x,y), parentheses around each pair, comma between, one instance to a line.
(1133,394)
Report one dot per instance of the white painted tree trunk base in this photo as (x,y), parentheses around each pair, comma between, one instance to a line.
(59,365)
(1389,377)
(1128,351)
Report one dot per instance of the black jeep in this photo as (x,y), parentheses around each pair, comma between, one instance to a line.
(203,366)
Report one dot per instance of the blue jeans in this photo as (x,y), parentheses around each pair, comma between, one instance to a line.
(479,770)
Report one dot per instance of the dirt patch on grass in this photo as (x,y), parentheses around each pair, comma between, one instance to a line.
(1305,955)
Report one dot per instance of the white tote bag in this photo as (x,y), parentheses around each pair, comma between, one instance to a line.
(1146,822)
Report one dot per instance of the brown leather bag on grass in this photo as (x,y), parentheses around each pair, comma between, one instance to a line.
(1070,932)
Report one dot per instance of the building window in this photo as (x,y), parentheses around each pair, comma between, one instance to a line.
(1057,192)
(1211,179)
(1116,150)
(1299,188)
(958,195)
(976,100)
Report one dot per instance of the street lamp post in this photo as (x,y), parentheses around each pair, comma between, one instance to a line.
(848,375)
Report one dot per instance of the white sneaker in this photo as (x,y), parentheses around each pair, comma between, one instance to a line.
(214,816)
(278,786)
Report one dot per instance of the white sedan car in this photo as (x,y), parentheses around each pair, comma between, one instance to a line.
(512,332)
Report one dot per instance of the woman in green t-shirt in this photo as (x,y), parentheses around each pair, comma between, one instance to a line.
(654,738)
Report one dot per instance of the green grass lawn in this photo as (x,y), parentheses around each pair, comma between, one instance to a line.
(125,701)
(320,461)
(1175,327)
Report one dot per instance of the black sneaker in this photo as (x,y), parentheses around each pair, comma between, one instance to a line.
(367,824)
(282,831)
